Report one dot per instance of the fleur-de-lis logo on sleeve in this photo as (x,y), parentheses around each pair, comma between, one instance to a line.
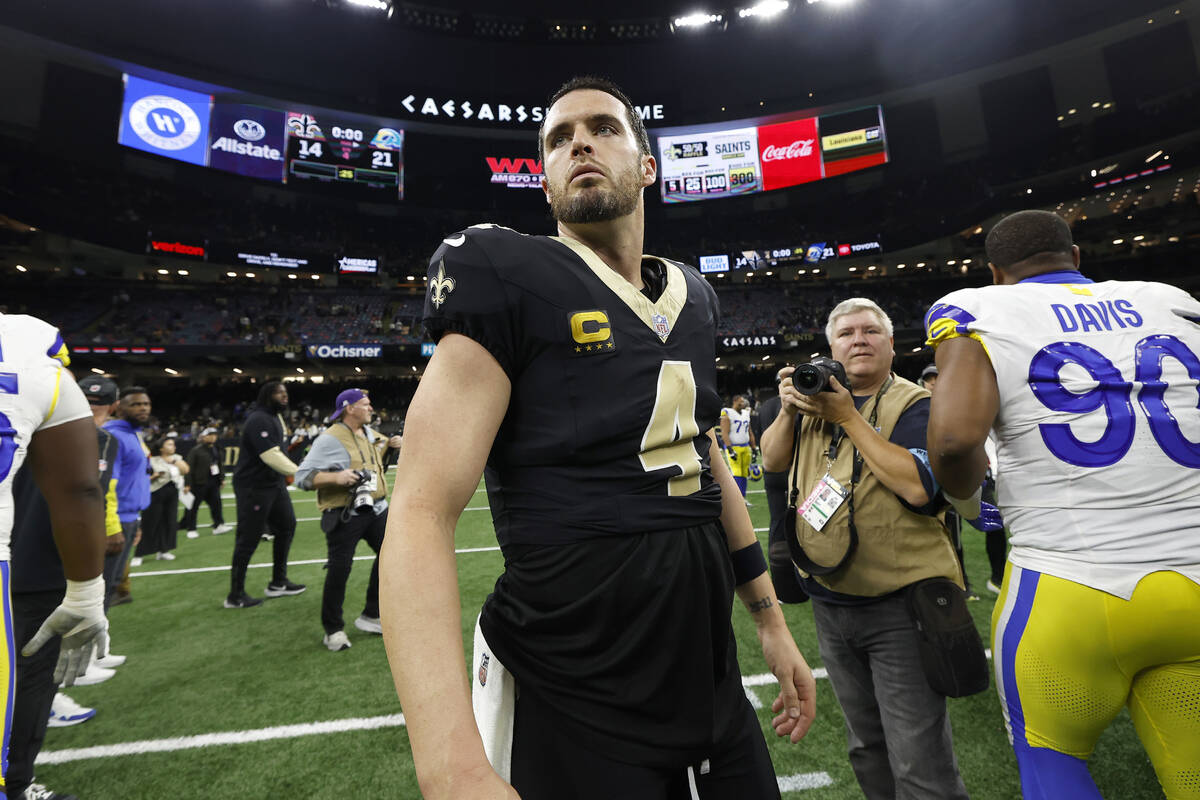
(440,286)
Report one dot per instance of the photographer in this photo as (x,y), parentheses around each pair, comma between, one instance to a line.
(864,540)
(345,466)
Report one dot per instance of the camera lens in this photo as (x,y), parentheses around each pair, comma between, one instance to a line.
(808,379)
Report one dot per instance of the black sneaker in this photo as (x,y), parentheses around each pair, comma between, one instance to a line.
(242,601)
(35,791)
(285,589)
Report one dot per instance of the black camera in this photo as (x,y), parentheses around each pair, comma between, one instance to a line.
(362,491)
(814,376)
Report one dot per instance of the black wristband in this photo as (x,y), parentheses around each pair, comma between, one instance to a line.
(748,563)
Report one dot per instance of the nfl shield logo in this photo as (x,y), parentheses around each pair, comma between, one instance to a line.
(661,326)
(483,667)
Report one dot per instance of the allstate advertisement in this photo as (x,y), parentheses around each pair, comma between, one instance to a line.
(248,140)
(165,120)
(702,166)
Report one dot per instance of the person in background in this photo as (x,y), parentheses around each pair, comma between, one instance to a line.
(260,483)
(346,467)
(160,522)
(133,490)
(204,478)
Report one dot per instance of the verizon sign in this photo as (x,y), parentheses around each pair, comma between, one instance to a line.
(516,173)
(788,153)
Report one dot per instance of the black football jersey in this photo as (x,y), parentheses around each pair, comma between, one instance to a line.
(612,394)
(625,632)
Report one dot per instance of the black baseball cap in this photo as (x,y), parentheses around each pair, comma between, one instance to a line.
(99,390)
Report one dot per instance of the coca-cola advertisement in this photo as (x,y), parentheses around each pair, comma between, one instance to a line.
(790,153)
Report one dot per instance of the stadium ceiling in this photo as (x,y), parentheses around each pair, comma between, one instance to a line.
(365,54)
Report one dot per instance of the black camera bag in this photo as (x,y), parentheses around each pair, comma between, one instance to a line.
(951,651)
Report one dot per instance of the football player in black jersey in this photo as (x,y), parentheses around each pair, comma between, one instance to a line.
(579,376)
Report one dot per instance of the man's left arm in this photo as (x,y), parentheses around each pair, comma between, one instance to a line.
(797,690)
(961,415)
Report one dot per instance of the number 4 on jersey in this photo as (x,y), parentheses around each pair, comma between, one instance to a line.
(667,441)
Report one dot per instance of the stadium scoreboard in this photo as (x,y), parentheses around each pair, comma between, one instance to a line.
(341,150)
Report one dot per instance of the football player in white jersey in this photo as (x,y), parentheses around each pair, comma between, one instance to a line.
(739,440)
(43,414)
(1091,389)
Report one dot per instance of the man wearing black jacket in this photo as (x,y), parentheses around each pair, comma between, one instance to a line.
(204,480)
(260,482)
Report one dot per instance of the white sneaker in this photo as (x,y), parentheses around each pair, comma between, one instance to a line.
(136,561)
(65,712)
(224,527)
(164,557)
(992,587)
(368,624)
(110,661)
(193,534)
(336,641)
(95,674)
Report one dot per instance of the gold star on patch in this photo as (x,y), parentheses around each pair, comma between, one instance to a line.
(578,349)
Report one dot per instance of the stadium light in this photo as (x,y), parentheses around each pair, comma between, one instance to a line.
(1153,156)
(21,268)
(1118,241)
(182,272)
(315,277)
(697,20)
(237,371)
(358,370)
(249,274)
(854,269)
(901,266)
(230,274)
(300,370)
(292,275)
(170,371)
(373,5)
(766,358)
(97,370)
(718,358)
(164,272)
(764,9)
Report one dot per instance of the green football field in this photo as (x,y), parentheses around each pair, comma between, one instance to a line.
(217,703)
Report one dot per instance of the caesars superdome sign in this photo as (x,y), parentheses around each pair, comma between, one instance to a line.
(490,110)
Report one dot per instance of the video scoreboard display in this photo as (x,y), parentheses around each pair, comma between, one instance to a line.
(260,139)
(708,162)
(346,150)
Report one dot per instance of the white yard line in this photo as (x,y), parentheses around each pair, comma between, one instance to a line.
(194,570)
(804,780)
(224,738)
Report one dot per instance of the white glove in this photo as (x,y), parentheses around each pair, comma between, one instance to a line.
(80,621)
(967,508)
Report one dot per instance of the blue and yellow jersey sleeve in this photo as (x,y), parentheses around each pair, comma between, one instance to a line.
(949,319)
(58,350)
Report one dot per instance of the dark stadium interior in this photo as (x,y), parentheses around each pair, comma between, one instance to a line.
(96,205)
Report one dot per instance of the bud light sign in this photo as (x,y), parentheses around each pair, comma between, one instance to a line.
(248,140)
(165,120)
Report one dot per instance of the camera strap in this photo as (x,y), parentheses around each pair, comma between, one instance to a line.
(799,557)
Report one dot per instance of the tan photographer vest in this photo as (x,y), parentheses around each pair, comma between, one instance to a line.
(896,547)
(363,455)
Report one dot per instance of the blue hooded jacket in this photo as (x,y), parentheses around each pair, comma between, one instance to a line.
(133,490)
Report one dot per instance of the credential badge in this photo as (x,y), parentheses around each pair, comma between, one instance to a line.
(440,286)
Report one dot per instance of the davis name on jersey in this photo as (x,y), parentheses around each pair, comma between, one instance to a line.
(1099,426)
(35,393)
(612,394)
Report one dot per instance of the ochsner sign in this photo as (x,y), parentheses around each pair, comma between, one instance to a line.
(344,350)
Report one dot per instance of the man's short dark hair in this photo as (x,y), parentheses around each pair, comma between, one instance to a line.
(603,85)
(1028,234)
(131,390)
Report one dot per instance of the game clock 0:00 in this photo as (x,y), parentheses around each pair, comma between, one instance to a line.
(344,152)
